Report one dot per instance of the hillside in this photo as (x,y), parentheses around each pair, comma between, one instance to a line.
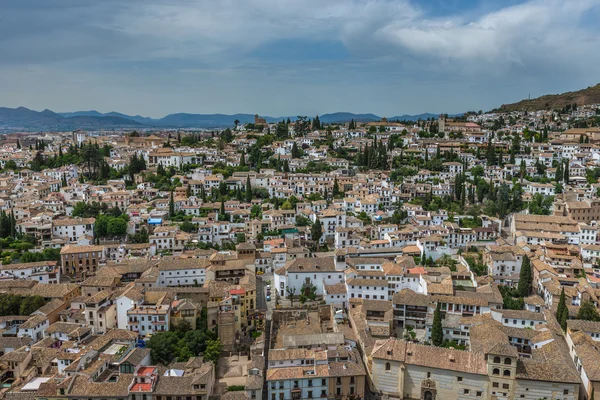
(24,118)
(590,95)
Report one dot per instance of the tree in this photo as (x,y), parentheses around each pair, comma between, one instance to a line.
(188,227)
(213,350)
(296,152)
(336,188)
(525,278)
(437,332)
(248,190)
(302,126)
(117,227)
(161,347)
(316,123)
(171,205)
(18,144)
(562,312)
(566,172)
(491,153)
(316,231)
(588,312)
(31,304)
(291,291)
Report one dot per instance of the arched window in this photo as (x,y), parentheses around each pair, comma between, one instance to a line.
(506,372)
(388,366)
(496,371)
(507,361)
(497,360)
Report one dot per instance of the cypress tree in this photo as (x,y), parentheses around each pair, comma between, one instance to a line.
(566,172)
(561,308)
(559,172)
(248,190)
(525,278)
(336,187)
(563,319)
(437,332)
(171,205)
(243,160)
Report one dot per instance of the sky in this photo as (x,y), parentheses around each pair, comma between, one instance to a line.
(293,57)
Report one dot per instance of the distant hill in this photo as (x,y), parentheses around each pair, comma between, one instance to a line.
(413,117)
(342,117)
(24,118)
(590,95)
(94,113)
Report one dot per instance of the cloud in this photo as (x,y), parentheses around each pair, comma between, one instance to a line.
(378,53)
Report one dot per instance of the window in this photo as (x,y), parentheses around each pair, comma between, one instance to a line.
(497,360)
(506,372)
(495,384)
(323,382)
(465,391)
(388,366)
(428,375)
(566,391)
(310,396)
(495,371)
(505,386)
(478,393)
(507,361)
(459,378)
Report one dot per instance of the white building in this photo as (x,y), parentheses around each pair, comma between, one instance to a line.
(182,271)
(73,228)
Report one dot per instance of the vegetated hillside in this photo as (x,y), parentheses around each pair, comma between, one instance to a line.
(590,95)
(24,118)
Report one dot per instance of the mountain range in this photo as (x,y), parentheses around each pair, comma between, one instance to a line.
(22,118)
(589,95)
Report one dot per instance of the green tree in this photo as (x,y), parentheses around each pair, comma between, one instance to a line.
(30,304)
(296,152)
(302,126)
(588,312)
(188,227)
(437,332)
(162,346)
(248,190)
(562,312)
(171,205)
(316,232)
(213,350)
(336,188)
(117,227)
(525,278)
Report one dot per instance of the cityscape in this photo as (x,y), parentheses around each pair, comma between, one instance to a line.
(258,200)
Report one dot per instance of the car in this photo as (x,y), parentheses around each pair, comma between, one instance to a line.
(268,298)
(268,287)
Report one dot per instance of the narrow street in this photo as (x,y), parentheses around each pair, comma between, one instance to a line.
(263,305)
